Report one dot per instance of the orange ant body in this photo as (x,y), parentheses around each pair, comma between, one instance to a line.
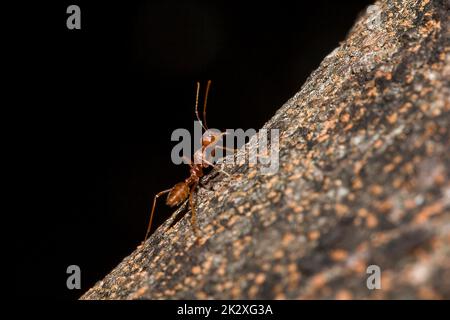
(182,190)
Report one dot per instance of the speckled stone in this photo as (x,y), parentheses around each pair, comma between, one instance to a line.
(363,179)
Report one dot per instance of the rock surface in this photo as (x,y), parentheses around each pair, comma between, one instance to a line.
(363,180)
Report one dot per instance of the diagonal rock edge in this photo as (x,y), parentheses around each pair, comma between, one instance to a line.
(363,179)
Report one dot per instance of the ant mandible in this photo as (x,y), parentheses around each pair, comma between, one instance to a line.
(182,190)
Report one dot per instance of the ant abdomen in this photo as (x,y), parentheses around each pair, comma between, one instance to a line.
(178,194)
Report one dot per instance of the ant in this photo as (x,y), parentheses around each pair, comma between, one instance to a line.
(182,190)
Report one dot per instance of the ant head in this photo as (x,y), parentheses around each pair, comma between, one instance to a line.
(211,136)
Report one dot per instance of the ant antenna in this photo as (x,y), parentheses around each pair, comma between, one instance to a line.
(204,125)
(196,105)
(206,100)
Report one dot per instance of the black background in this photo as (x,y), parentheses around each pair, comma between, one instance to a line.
(97,106)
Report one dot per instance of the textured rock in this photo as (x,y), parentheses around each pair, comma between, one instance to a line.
(363,179)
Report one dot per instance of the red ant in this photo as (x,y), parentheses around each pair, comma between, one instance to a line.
(182,190)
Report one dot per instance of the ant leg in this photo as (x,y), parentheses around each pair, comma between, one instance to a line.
(228,149)
(232,150)
(216,167)
(193,213)
(176,215)
(153,211)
